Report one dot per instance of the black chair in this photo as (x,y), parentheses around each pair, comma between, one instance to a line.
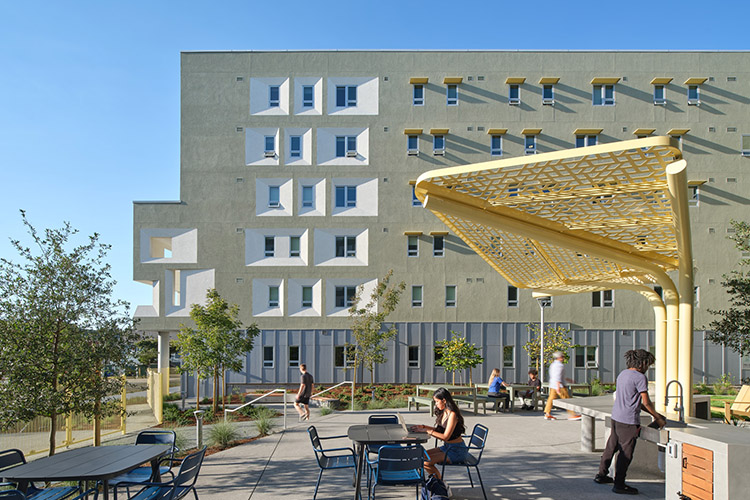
(174,489)
(343,458)
(476,444)
(13,457)
(399,466)
(144,474)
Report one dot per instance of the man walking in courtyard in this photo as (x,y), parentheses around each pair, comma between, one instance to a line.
(302,403)
(557,387)
(631,398)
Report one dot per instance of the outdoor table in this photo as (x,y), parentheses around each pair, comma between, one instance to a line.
(93,463)
(514,390)
(378,434)
(453,389)
(572,387)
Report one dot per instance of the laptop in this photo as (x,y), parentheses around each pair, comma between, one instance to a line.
(407,432)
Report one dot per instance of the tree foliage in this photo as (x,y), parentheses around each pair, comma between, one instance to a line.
(217,343)
(367,323)
(60,330)
(457,354)
(555,339)
(732,326)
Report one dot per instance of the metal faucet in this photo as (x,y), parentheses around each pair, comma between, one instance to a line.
(678,406)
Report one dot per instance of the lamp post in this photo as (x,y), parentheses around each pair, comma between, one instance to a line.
(543,301)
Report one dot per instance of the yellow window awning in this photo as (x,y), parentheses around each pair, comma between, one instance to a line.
(678,131)
(412,182)
(696,80)
(413,131)
(418,79)
(438,233)
(644,131)
(588,131)
(601,80)
(413,233)
(439,131)
(547,80)
(515,80)
(531,131)
(661,81)
(453,79)
(696,183)
(497,131)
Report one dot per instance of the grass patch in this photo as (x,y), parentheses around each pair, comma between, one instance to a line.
(326,410)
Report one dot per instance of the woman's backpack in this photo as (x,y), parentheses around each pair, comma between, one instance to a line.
(434,489)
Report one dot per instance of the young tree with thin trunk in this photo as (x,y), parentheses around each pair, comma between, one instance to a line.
(457,354)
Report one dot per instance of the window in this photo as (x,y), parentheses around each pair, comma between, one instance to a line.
(294,246)
(308,96)
(508,356)
(418,95)
(438,144)
(413,356)
(307,296)
(308,196)
(451,94)
(345,295)
(496,145)
(274,98)
(678,138)
(416,296)
(346,146)
(295,146)
(412,245)
(438,246)
(586,140)
(270,146)
(694,95)
(603,298)
(270,246)
(659,290)
(176,287)
(530,144)
(273,196)
(659,95)
(586,356)
(545,301)
(346,96)
(346,196)
(512,296)
(412,145)
(745,144)
(346,246)
(514,94)
(450,296)
(273,296)
(548,94)
(343,356)
(693,195)
(293,356)
(604,95)
(414,200)
(696,296)
(267,356)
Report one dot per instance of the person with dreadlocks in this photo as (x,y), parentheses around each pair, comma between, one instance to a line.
(631,398)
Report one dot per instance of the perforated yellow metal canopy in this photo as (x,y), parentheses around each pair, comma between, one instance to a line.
(569,221)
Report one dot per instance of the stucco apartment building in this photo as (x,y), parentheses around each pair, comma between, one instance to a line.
(296,186)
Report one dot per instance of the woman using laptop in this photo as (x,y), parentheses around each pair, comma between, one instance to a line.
(449,427)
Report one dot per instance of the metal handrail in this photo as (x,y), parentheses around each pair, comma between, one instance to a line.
(258,399)
(338,385)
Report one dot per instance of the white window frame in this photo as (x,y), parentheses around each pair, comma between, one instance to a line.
(274,196)
(603,299)
(412,363)
(295,152)
(292,251)
(743,150)
(548,101)
(308,103)
(436,141)
(311,201)
(412,149)
(274,102)
(306,304)
(678,138)
(438,252)
(269,152)
(349,101)
(529,148)
(584,140)
(694,195)
(512,356)
(696,297)
(417,302)
(451,302)
(350,146)
(415,100)
(349,201)
(496,149)
(451,101)
(272,251)
(347,355)
(347,291)
(514,101)
(274,303)
(345,246)
(586,363)
(600,91)
(269,363)
(660,101)
(412,250)
(512,302)
(293,363)
(695,101)
(414,200)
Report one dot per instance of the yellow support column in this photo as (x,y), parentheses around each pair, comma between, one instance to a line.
(158,399)
(660,347)
(124,396)
(69,430)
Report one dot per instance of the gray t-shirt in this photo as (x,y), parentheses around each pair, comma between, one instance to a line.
(307,380)
(630,385)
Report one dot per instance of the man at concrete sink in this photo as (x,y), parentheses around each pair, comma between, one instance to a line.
(631,398)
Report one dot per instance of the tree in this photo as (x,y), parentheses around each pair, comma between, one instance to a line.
(458,354)
(147,351)
(732,328)
(555,339)
(218,343)
(60,330)
(367,324)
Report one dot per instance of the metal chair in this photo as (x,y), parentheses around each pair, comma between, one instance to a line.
(399,466)
(476,443)
(144,474)
(174,489)
(372,449)
(12,495)
(13,457)
(328,461)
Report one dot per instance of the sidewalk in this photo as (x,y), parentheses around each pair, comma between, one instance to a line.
(526,457)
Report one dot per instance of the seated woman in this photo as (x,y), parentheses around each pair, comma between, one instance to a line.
(495,389)
(449,426)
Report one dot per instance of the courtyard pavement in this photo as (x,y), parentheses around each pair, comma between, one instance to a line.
(526,457)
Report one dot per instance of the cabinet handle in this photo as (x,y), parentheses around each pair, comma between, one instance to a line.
(684,462)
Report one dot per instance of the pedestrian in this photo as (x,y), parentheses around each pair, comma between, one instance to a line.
(631,398)
(302,403)
(557,387)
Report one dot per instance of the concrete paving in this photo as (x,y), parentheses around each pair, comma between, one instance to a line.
(526,457)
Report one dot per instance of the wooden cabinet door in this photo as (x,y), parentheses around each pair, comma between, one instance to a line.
(697,472)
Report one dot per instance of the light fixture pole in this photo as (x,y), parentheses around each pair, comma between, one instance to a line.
(543,301)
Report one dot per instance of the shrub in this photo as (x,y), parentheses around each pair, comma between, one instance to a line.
(724,385)
(246,411)
(173,396)
(397,402)
(260,412)
(377,404)
(222,434)
(209,416)
(326,410)
(264,425)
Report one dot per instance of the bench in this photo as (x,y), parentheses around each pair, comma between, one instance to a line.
(740,406)
(469,400)
(419,400)
(331,403)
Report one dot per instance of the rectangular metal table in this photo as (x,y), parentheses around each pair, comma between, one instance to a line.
(452,389)
(97,463)
(374,434)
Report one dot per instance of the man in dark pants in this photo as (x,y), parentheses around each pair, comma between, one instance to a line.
(631,398)
(302,403)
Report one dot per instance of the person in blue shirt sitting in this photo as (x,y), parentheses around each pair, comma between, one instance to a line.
(496,389)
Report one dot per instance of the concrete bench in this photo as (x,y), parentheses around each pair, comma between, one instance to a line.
(419,400)
(469,400)
(331,403)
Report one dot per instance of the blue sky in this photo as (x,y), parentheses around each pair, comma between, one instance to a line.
(89,90)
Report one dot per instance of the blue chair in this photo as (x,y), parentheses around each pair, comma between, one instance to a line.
(12,495)
(399,466)
(343,458)
(13,457)
(476,444)
(144,474)
(372,449)
(174,489)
